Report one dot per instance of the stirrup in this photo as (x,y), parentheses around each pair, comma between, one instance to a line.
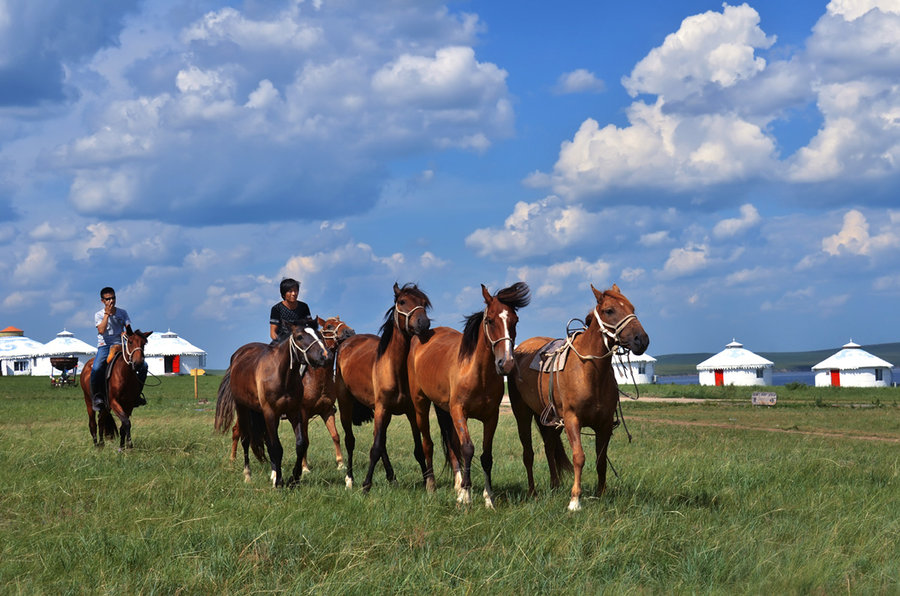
(549,417)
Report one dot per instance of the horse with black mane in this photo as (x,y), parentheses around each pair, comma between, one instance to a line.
(581,394)
(123,388)
(462,374)
(264,382)
(371,380)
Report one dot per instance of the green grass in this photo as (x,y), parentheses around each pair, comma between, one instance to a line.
(724,504)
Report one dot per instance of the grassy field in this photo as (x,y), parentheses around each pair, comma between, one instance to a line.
(715,497)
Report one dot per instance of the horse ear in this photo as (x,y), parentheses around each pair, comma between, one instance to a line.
(597,293)
(396,290)
(616,289)
(128,330)
(486,294)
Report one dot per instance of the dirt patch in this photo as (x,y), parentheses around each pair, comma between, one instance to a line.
(816,433)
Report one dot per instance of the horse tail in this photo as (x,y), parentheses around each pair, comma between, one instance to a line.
(445,423)
(563,463)
(224,404)
(252,424)
(107,425)
(361,413)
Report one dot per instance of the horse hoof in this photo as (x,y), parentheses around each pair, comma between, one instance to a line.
(464,497)
(341,466)
(306,470)
(575,504)
(488,501)
(348,482)
(429,485)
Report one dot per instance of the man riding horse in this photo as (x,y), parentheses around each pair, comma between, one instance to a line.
(111,322)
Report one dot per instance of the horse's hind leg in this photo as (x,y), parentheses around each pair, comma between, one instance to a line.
(245,443)
(336,440)
(92,426)
(349,444)
(276,451)
(301,434)
(378,451)
(466,451)
(523,424)
(235,437)
(603,438)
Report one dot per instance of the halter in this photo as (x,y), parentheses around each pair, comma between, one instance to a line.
(127,354)
(494,342)
(295,347)
(616,329)
(332,334)
(405,314)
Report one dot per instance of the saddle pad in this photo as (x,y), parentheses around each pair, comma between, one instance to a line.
(113,352)
(544,361)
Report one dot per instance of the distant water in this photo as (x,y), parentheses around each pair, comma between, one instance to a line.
(807,377)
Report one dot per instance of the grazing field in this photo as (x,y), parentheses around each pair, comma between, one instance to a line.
(711,498)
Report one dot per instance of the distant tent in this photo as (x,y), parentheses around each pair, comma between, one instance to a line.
(65,344)
(735,366)
(17,354)
(168,354)
(640,369)
(853,367)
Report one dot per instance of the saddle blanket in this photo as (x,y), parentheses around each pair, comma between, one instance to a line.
(544,360)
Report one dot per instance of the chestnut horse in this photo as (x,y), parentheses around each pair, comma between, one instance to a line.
(371,380)
(262,383)
(583,394)
(318,381)
(122,389)
(462,373)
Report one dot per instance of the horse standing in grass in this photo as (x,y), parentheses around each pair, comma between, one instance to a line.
(371,381)
(319,382)
(122,390)
(462,374)
(584,394)
(264,382)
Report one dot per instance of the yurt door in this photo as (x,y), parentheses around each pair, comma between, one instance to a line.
(720,378)
(835,378)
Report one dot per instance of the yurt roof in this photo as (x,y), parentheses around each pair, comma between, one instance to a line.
(66,344)
(18,346)
(169,344)
(852,357)
(734,357)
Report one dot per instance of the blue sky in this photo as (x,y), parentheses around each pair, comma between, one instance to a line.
(732,167)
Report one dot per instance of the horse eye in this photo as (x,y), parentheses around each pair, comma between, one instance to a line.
(608,311)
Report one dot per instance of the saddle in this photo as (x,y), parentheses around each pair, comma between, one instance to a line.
(551,359)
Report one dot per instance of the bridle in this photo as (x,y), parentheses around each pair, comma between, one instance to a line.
(128,354)
(295,347)
(407,314)
(332,334)
(494,342)
(612,331)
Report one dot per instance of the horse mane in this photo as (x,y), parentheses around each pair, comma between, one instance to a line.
(387,327)
(515,296)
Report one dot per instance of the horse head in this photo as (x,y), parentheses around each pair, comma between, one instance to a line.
(500,320)
(133,343)
(411,309)
(615,316)
(306,339)
(334,331)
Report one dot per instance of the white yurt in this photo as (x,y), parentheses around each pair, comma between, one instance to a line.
(168,354)
(630,368)
(17,352)
(735,365)
(853,367)
(64,344)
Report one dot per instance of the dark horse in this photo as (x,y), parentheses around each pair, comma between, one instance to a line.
(584,393)
(262,383)
(371,381)
(318,382)
(123,388)
(462,373)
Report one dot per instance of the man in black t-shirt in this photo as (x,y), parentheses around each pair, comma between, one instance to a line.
(289,310)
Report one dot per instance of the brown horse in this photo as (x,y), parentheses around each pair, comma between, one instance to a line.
(371,381)
(123,389)
(462,373)
(318,381)
(583,394)
(262,383)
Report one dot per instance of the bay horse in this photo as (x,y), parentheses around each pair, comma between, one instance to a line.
(584,394)
(262,383)
(371,380)
(318,382)
(463,375)
(122,389)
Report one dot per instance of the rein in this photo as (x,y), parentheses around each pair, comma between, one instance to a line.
(127,354)
(405,314)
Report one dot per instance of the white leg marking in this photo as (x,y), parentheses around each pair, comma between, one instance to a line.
(575,504)
(348,482)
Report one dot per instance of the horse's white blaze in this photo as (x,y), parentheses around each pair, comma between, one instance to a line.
(504,316)
(312,334)
(348,482)
(575,504)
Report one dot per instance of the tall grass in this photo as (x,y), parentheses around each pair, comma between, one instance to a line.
(695,509)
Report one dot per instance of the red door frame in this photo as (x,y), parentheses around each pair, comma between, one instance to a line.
(835,377)
(720,378)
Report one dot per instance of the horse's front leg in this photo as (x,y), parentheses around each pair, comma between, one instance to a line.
(423,422)
(573,432)
(603,438)
(349,442)
(418,450)
(235,437)
(487,457)
(301,434)
(276,452)
(466,451)
(92,426)
(378,450)
(336,439)
(125,427)
(523,425)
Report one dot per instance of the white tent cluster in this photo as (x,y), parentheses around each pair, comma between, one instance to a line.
(735,365)
(166,353)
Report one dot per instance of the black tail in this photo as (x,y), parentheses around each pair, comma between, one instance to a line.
(361,413)
(445,422)
(554,438)
(107,425)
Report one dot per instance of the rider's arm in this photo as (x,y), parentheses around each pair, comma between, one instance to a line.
(273,331)
(101,326)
